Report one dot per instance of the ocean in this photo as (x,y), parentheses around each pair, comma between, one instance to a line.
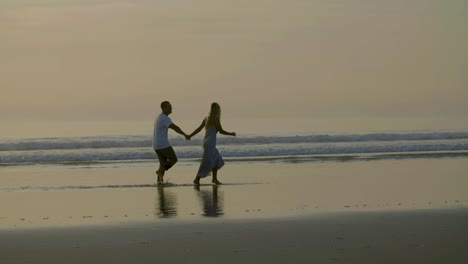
(310,147)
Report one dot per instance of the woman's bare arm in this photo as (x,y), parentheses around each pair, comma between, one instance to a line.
(196,131)
(219,127)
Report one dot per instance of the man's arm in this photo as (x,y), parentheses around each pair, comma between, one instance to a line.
(178,130)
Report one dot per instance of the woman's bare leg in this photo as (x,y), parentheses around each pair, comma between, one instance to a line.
(196,181)
(215,177)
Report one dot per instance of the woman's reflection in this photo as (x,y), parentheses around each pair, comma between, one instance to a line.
(212,201)
(166,207)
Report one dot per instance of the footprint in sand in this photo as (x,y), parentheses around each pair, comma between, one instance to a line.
(45,218)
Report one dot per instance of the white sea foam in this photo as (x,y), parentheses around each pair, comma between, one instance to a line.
(102,142)
(139,148)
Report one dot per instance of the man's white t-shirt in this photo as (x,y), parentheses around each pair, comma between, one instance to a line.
(161,125)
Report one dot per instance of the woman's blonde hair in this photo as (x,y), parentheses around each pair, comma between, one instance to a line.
(213,118)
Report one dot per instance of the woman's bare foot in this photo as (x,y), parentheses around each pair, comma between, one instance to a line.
(196,181)
(216,182)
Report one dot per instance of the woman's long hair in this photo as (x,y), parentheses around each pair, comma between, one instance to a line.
(213,118)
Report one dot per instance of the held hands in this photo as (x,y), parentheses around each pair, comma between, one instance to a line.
(188,137)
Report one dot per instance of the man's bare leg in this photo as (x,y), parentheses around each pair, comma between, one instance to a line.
(160,172)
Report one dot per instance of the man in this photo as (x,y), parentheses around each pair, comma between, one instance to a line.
(166,155)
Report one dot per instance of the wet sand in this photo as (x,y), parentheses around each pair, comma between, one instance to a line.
(433,236)
(389,211)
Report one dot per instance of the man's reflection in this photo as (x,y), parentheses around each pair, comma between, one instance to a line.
(211,201)
(167,203)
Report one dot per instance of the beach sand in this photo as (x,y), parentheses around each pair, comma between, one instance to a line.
(436,236)
(387,211)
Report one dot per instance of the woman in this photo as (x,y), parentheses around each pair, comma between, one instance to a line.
(212,160)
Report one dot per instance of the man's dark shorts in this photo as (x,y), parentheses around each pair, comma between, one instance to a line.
(167,157)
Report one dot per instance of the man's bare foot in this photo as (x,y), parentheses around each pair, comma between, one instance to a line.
(160,177)
(217,182)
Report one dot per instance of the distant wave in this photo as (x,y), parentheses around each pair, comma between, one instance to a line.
(69,156)
(105,142)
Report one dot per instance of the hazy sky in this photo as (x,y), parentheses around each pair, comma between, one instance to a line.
(82,60)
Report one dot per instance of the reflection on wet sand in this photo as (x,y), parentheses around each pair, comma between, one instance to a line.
(166,205)
(212,201)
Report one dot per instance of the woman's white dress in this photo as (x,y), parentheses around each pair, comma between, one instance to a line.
(211,158)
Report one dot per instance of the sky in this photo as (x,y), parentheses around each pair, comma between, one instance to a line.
(113,61)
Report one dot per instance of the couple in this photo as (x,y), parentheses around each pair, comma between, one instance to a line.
(211,160)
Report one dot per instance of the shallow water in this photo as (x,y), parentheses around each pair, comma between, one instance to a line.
(67,195)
